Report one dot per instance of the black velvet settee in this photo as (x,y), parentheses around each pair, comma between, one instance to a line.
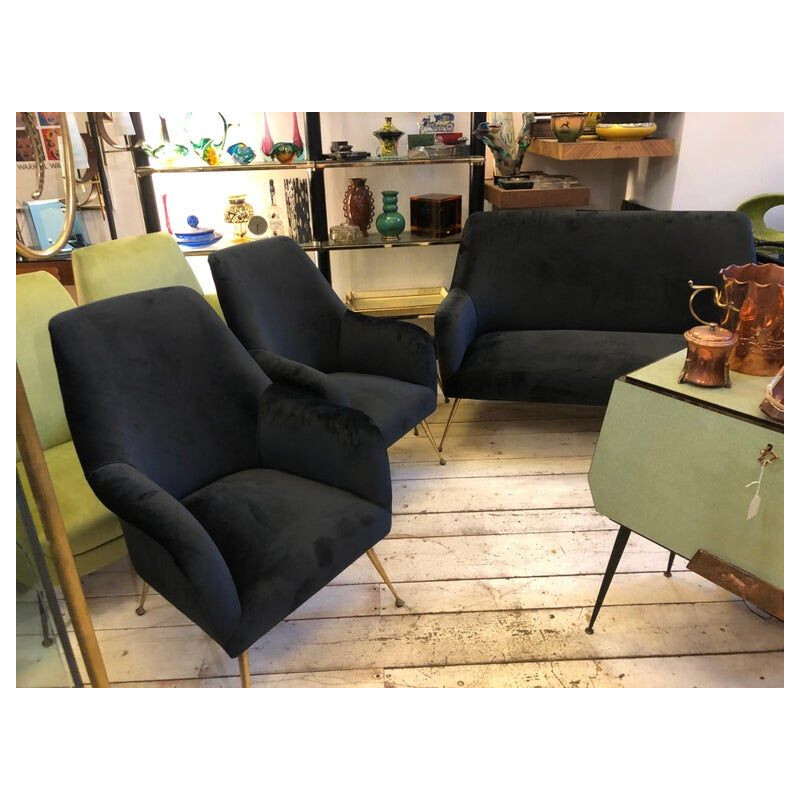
(552,306)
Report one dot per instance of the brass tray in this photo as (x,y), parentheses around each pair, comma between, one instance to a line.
(396,302)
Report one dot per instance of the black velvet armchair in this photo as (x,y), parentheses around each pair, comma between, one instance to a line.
(294,325)
(553,306)
(239,499)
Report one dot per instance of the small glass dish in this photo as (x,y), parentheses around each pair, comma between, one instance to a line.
(344,233)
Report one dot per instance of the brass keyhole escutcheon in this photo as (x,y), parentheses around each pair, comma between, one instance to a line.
(767,456)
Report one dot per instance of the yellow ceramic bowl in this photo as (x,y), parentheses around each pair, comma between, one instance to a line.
(626,130)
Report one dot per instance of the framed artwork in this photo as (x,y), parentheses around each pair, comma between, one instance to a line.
(24,146)
(298,209)
(50,138)
(48,119)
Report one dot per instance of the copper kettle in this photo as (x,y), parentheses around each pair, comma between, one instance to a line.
(752,296)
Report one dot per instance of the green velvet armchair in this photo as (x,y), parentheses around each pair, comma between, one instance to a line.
(133,264)
(95,534)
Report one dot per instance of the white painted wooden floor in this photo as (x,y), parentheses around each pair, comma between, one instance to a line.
(499,557)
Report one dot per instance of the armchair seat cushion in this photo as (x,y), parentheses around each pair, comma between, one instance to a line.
(555,366)
(88,522)
(283,538)
(394,406)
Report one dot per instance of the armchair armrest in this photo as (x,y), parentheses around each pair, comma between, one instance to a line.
(302,377)
(170,548)
(329,444)
(388,347)
(456,325)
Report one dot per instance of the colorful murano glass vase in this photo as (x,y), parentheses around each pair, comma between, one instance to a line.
(390,223)
(285,152)
(241,153)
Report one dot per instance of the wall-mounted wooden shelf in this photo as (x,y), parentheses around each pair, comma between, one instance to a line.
(536,198)
(593,149)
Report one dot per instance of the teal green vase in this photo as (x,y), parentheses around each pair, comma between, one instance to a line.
(391,223)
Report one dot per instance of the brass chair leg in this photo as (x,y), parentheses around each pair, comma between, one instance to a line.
(373,557)
(244,669)
(456,403)
(427,431)
(140,607)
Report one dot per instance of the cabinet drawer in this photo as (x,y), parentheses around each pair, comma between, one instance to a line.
(676,473)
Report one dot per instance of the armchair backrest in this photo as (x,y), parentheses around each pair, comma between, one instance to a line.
(133,264)
(39,297)
(595,270)
(156,380)
(275,298)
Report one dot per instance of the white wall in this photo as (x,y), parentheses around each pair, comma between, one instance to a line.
(723,159)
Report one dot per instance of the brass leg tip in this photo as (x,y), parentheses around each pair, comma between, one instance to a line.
(47,642)
(442,462)
(439,448)
(140,611)
(399,603)
(667,574)
(590,630)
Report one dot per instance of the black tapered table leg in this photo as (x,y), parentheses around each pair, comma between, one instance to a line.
(616,553)
(668,572)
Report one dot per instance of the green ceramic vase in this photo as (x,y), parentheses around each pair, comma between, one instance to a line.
(390,223)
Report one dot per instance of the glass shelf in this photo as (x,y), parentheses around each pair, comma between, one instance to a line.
(223,243)
(374,241)
(260,165)
(310,165)
(396,162)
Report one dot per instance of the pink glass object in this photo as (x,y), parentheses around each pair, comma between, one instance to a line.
(166,214)
(266,143)
(296,138)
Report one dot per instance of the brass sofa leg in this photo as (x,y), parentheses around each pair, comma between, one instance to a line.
(140,607)
(373,557)
(244,669)
(427,431)
(456,403)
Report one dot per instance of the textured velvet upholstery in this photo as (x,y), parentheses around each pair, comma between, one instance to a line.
(132,264)
(301,334)
(539,299)
(94,533)
(239,499)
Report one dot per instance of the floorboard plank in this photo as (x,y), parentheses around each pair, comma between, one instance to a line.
(483,468)
(510,556)
(418,640)
(497,494)
(504,594)
(471,523)
(725,671)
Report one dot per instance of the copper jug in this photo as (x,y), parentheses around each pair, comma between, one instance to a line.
(752,296)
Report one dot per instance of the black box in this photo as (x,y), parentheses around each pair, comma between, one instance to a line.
(436,215)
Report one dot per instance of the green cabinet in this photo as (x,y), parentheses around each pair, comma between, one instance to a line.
(673,463)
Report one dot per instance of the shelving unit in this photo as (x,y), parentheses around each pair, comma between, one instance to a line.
(598,149)
(316,166)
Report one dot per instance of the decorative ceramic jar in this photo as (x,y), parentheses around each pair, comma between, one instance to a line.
(359,205)
(590,123)
(567,127)
(238,213)
(388,136)
(345,233)
(390,223)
